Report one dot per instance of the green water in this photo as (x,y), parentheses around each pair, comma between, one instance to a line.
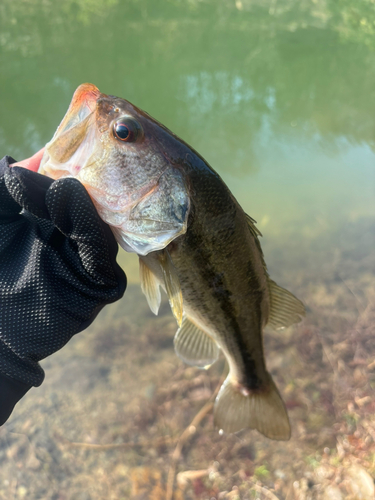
(278,96)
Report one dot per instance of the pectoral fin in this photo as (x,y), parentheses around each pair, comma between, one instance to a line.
(172,285)
(150,287)
(285,308)
(194,346)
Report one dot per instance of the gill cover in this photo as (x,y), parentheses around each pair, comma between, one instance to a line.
(158,218)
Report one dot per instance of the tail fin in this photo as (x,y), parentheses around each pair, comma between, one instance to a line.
(262,410)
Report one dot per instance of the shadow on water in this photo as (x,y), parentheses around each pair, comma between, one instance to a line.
(278,96)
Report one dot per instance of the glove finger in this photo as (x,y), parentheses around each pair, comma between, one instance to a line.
(74,214)
(8,206)
(28,189)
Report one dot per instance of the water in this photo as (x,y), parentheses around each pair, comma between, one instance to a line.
(278,97)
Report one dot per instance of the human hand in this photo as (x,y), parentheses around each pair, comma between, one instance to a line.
(57,271)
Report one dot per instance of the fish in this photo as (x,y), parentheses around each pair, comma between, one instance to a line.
(165,203)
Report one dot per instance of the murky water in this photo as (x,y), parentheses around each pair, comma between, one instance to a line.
(279,97)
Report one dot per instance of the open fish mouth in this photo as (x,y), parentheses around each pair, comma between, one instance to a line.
(72,144)
(82,105)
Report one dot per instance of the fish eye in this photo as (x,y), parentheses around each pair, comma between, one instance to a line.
(126,130)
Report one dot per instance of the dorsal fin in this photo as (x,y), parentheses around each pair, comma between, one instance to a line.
(255,233)
(285,308)
(172,285)
(194,346)
(251,223)
(150,286)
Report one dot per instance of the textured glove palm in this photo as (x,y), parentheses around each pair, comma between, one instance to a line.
(57,270)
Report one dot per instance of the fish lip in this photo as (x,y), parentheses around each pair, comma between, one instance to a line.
(85,95)
(83,103)
(78,119)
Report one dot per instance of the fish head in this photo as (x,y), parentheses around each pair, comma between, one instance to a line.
(123,158)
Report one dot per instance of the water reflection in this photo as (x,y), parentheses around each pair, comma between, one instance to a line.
(296,74)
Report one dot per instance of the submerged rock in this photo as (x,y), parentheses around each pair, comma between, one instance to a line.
(333,493)
(360,483)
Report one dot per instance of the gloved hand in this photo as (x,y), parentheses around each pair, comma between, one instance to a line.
(57,271)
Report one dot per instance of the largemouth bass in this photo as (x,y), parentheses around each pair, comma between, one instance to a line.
(165,203)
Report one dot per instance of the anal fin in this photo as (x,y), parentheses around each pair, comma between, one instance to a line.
(262,409)
(194,346)
(285,308)
(150,287)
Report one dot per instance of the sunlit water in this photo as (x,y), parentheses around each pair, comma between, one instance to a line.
(279,99)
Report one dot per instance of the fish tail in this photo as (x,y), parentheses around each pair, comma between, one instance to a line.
(237,407)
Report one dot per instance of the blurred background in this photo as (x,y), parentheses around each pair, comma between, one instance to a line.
(278,96)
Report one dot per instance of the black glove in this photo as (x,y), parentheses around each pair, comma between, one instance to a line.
(57,271)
